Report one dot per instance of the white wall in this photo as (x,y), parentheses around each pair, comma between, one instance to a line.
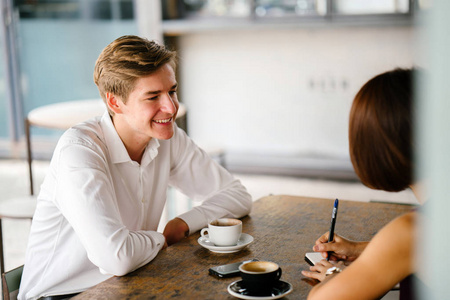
(283,92)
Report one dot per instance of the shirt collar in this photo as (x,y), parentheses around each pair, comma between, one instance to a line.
(116,148)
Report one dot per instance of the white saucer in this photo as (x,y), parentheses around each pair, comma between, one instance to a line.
(238,289)
(244,241)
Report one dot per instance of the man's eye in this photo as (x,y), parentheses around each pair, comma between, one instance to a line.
(153,98)
(172,92)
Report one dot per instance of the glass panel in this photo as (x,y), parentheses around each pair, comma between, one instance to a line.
(434,146)
(59,44)
(58,56)
(215,8)
(283,8)
(75,9)
(358,7)
(262,8)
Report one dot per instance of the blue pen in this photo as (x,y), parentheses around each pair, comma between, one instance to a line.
(333,224)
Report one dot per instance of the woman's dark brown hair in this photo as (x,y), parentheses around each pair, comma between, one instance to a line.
(380,131)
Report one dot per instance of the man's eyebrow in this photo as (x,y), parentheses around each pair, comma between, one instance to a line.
(159,92)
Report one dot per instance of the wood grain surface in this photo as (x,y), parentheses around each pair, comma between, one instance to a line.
(284,229)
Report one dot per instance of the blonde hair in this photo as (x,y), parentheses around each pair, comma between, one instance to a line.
(127,59)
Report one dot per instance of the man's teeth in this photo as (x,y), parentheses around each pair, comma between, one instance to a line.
(163,121)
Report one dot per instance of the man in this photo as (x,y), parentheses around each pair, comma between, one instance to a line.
(102,200)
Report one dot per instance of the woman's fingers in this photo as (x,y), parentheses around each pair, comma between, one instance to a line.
(313,275)
(318,270)
(322,239)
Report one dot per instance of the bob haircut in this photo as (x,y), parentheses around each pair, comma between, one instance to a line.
(127,59)
(380,131)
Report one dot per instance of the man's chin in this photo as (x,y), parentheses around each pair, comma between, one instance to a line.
(166,136)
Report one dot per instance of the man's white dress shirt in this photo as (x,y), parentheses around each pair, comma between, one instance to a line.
(98,211)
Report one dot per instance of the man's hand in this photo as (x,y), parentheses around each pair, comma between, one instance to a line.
(175,230)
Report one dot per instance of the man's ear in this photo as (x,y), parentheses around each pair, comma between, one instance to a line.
(114,103)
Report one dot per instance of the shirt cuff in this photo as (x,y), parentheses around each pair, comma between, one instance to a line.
(194,219)
(159,239)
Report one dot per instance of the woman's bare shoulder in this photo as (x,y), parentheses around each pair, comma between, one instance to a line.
(402,224)
(393,245)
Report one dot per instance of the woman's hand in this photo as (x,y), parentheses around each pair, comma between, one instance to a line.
(340,248)
(318,271)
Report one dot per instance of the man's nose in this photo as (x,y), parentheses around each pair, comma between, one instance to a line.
(168,104)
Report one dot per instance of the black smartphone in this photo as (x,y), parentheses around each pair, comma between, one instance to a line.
(228,270)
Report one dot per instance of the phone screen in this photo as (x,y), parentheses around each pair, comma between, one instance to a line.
(228,270)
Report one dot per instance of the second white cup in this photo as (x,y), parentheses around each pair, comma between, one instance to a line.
(223,232)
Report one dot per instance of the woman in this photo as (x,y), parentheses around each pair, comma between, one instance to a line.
(380,139)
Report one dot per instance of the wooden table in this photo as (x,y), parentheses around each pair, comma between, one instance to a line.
(284,229)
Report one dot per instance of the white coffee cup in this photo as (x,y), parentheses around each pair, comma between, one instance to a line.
(223,232)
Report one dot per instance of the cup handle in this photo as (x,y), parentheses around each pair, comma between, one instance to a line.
(202,233)
(279,273)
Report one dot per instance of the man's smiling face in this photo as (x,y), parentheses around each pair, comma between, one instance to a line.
(152,106)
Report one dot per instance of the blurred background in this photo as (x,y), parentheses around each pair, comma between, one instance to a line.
(269,82)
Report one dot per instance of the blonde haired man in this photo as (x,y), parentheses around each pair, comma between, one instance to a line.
(102,200)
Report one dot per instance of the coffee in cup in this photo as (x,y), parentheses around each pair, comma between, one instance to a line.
(223,232)
(259,277)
